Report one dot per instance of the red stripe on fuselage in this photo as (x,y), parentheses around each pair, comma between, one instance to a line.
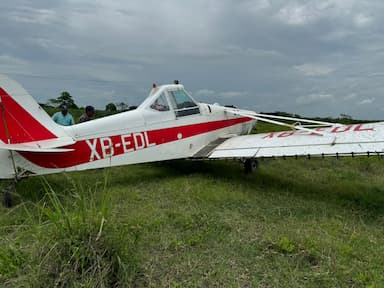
(22,126)
(96,148)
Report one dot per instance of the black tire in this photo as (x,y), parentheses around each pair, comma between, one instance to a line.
(250,165)
(7,198)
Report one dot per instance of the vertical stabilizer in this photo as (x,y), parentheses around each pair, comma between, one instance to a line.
(22,119)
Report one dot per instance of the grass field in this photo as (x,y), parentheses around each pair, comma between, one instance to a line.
(294,223)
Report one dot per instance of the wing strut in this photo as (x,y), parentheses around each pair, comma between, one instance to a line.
(8,136)
(296,125)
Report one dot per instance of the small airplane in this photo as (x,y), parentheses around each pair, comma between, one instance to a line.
(169,124)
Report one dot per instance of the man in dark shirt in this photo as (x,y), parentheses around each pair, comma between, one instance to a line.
(88,115)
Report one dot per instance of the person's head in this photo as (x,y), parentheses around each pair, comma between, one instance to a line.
(90,111)
(64,109)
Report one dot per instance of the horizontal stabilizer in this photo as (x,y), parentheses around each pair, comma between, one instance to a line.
(44,146)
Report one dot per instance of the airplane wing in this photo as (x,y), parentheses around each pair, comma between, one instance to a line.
(336,140)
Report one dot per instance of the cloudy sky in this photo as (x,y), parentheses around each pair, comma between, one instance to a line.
(313,58)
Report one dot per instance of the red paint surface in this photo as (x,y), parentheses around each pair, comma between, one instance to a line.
(82,151)
(22,126)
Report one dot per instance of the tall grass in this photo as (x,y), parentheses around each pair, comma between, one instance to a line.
(66,240)
(294,223)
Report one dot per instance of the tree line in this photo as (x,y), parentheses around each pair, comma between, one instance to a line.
(111,108)
(67,99)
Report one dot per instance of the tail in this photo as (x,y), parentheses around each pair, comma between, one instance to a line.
(23,121)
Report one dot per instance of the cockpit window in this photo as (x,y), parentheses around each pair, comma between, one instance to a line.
(160,104)
(183,104)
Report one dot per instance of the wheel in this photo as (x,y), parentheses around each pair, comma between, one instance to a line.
(250,165)
(7,197)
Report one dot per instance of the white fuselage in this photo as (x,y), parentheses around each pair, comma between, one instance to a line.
(137,136)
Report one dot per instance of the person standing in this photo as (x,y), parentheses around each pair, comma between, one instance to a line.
(88,115)
(63,117)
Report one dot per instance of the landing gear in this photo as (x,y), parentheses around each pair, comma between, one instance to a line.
(250,165)
(7,195)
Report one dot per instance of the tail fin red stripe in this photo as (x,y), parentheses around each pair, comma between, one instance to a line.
(17,125)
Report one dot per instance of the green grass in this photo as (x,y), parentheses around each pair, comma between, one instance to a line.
(294,223)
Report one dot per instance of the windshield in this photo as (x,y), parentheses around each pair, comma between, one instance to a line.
(183,103)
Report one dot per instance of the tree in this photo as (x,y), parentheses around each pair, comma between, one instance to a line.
(64,98)
(110,107)
(345,116)
(122,106)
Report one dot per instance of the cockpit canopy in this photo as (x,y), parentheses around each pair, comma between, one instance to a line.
(172,97)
